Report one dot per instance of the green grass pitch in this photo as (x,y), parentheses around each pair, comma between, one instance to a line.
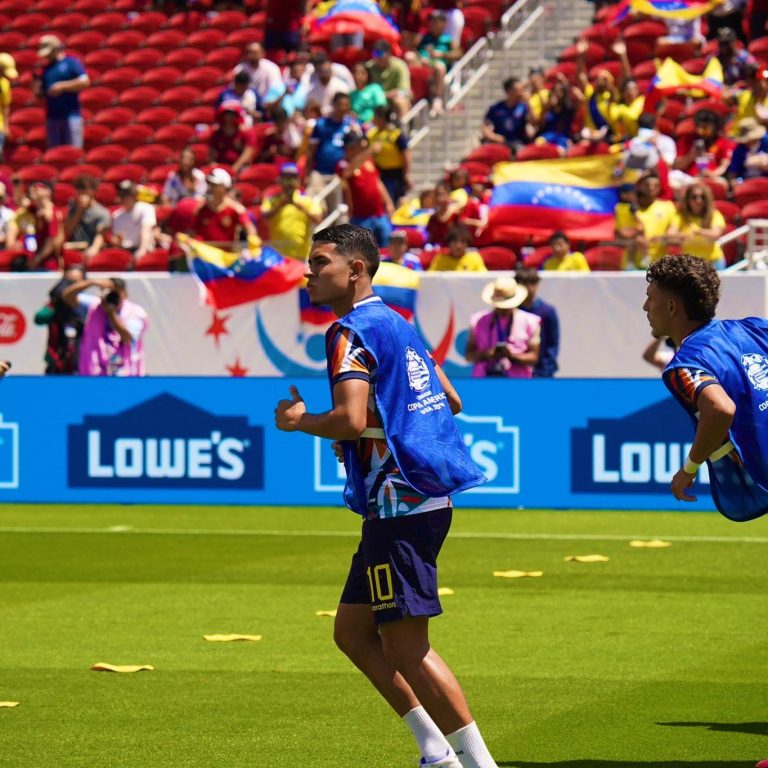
(658,657)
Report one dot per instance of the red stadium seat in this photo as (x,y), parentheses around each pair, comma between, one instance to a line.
(166,40)
(605,258)
(37,136)
(685,128)
(68,23)
(71,173)
(108,22)
(162,77)
(91,7)
(186,21)
(22,155)
(176,136)
(206,39)
(156,116)
(102,59)
(713,105)
(201,153)
(26,61)
(41,172)
(111,260)
(759,47)
(614,67)
(159,174)
(11,41)
(695,66)
(151,155)
(106,193)
(114,117)
(498,258)
(249,194)
(223,58)
(126,40)
(130,171)
(28,117)
(757,209)
(490,154)
(679,51)
(645,31)
(107,155)
(121,78)
(51,7)
(139,97)
(200,114)
(22,97)
(731,212)
(202,77)
(260,174)
(12,7)
(88,41)
(242,37)
(98,97)
(537,152)
(10,260)
(594,55)
(180,97)
(144,58)
(185,58)
(183,216)
(63,193)
(645,69)
(61,157)
(153,261)
(719,190)
(228,21)
(537,257)
(131,136)
(148,21)
(638,51)
(28,23)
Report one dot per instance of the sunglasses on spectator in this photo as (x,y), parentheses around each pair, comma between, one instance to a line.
(696,197)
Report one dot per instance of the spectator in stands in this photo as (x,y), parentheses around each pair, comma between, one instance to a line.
(284,21)
(734,61)
(458,257)
(186,181)
(698,225)
(265,75)
(508,121)
(563,259)
(38,228)
(753,100)
(725,21)
(555,123)
(366,196)
(291,216)
(398,252)
(283,141)
(7,215)
(112,343)
(324,85)
(220,219)
(643,222)
(8,72)
(231,143)
(473,213)
(708,152)
(241,92)
(537,93)
(600,99)
(87,220)
(367,96)
(446,214)
(391,153)
(454,18)
(338,70)
(296,87)
(750,158)
(649,146)
(326,145)
(549,348)
(61,80)
(436,49)
(134,222)
(392,74)
(504,342)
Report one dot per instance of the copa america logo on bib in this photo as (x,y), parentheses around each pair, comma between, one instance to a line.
(418,373)
(756,367)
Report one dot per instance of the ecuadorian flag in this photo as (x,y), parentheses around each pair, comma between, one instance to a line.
(672,78)
(230,279)
(398,287)
(685,10)
(537,197)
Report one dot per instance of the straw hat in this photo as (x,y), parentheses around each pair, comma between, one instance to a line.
(749,130)
(8,66)
(504,293)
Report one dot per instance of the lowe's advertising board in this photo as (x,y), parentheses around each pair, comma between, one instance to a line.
(563,444)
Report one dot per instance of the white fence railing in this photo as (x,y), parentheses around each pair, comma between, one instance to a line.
(756,254)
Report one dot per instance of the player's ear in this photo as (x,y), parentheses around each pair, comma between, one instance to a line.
(357,269)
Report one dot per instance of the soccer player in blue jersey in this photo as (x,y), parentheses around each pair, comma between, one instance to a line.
(404,456)
(719,374)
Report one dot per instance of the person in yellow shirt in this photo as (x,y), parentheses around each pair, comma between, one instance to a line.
(291,216)
(697,226)
(458,257)
(539,93)
(752,101)
(643,222)
(562,259)
(8,72)
(391,153)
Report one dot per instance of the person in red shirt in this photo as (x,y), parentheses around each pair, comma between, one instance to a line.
(231,143)
(708,153)
(38,228)
(220,219)
(445,216)
(284,22)
(370,205)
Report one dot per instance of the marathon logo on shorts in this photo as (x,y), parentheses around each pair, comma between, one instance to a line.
(166,442)
(638,453)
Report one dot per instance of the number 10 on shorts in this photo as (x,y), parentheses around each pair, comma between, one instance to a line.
(380,583)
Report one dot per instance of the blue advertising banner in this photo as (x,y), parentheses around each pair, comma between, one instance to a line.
(562,444)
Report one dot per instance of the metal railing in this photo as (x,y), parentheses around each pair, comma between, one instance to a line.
(756,231)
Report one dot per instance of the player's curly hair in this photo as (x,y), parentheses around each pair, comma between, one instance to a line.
(694,280)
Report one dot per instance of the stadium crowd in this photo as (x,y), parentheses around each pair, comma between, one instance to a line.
(124,124)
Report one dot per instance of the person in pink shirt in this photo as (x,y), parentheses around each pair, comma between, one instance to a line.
(505,341)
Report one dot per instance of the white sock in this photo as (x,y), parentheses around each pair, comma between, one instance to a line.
(432,743)
(470,747)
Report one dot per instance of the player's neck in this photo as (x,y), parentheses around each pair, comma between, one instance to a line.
(679,335)
(344,306)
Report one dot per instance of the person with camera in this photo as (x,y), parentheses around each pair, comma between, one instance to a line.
(112,343)
(504,342)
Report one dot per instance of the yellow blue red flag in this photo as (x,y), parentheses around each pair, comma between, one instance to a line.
(684,10)
(672,78)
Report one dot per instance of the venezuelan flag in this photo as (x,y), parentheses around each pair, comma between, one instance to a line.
(672,78)
(540,196)
(410,215)
(230,279)
(311,315)
(398,287)
(685,10)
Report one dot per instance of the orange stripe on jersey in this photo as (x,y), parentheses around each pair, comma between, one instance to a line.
(688,382)
(347,356)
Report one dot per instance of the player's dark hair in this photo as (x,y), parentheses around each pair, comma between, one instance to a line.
(338,96)
(352,241)
(509,82)
(695,281)
(458,233)
(527,276)
(119,284)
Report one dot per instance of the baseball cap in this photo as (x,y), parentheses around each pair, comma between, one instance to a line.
(8,66)
(126,186)
(219,176)
(289,169)
(47,45)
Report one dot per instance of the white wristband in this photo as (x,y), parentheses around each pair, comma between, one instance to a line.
(690,467)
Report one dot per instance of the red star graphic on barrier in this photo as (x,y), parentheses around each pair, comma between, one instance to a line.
(237,369)
(218,327)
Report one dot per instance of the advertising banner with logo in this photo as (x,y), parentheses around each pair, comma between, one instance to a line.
(570,444)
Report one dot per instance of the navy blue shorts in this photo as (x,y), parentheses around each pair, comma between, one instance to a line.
(395,567)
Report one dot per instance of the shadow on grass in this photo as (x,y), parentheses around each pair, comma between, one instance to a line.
(756,729)
(632,764)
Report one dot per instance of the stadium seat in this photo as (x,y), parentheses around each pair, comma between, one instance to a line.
(206,39)
(88,41)
(63,193)
(120,78)
(202,77)
(731,212)
(10,260)
(249,194)
(108,22)
(186,21)
(228,21)
(638,51)
(91,7)
(68,23)
(113,117)
(102,59)
(644,69)
(757,209)
(40,172)
(166,40)
(71,257)
(22,97)
(750,191)
(719,190)
(224,58)
(37,137)
(645,31)
(139,97)
(156,116)
(679,51)
(176,136)
(594,55)
(180,97)
(154,261)
(614,67)
(537,152)
(148,21)
(144,58)
(107,155)
(126,40)
(159,173)
(119,173)
(106,193)
(61,157)
(713,105)
(151,155)
(11,41)
(28,117)
(695,66)
(183,216)
(131,136)
(162,77)
(110,260)
(185,58)
(478,22)
(28,23)
(497,258)
(98,97)
(605,258)
(242,37)
(490,154)
(70,173)
(199,114)
(536,257)
(260,174)
(201,152)
(759,47)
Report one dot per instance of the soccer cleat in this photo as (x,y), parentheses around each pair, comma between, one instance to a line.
(448,761)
